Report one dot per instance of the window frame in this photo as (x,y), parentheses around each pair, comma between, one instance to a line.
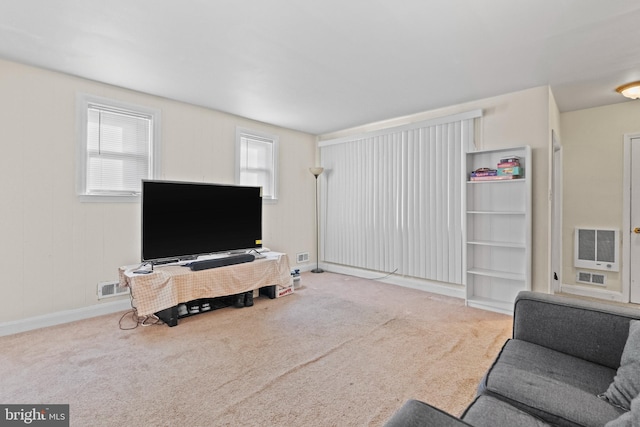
(242,132)
(83,102)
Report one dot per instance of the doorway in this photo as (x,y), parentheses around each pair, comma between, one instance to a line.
(556,214)
(631,220)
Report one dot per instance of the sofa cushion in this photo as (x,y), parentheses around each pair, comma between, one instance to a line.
(626,384)
(487,411)
(591,330)
(628,419)
(554,386)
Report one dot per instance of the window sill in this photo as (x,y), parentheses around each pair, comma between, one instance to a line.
(92,198)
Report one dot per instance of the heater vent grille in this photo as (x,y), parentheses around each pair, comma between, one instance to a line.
(302,257)
(111,289)
(591,278)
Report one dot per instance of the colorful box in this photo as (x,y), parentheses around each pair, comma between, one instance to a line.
(484,172)
(516,170)
(493,178)
(508,164)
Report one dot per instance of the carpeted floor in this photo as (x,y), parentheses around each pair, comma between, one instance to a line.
(341,351)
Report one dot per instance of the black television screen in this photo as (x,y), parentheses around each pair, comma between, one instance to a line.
(181,220)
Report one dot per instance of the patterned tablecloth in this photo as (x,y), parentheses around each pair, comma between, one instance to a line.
(171,285)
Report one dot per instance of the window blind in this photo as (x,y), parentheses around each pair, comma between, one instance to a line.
(256,163)
(393,200)
(118,150)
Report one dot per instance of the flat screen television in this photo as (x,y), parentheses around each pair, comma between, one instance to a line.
(181,220)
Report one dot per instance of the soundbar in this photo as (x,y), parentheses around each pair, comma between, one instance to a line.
(220,262)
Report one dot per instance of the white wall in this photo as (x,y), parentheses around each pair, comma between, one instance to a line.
(53,248)
(592,142)
(514,119)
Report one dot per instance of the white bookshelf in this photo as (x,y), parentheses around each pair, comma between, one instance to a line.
(498,238)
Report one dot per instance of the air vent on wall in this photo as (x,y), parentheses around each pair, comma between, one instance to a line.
(596,249)
(591,278)
(111,289)
(302,257)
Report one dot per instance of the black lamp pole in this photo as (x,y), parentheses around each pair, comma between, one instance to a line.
(316,171)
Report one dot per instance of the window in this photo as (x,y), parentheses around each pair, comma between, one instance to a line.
(117,148)
(256,164)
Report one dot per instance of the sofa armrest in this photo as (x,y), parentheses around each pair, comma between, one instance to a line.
(419,414)
(593,331)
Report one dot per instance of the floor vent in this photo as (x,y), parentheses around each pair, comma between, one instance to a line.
(111,289)
(302,257)
(591,278)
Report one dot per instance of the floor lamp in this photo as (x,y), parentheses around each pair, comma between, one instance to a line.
(316,171)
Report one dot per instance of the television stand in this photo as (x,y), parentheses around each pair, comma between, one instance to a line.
(171,315)
(167,288)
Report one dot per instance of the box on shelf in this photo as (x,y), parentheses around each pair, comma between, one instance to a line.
(493,178)
(484,172)
(508,164)
(516,170)
(510,159)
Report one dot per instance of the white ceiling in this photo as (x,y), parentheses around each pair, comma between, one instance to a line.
(325,65)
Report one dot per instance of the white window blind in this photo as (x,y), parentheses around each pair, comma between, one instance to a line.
(117,147)
(257,154)
(118,150)
(393,199)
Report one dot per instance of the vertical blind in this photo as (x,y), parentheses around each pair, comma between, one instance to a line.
(393,199)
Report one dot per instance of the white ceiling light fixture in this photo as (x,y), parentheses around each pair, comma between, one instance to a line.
(630,90)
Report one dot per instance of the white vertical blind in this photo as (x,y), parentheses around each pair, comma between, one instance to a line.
(393,200)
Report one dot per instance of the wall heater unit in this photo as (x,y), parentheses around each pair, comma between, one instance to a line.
(596,249)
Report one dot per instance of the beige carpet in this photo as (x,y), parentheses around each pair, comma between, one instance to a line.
(341,351)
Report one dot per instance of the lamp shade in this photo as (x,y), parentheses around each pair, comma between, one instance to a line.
(630,90)
(316,171)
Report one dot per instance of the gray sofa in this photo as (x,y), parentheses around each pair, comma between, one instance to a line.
(570,362)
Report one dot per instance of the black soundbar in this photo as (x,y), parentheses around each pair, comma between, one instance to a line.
(220,262)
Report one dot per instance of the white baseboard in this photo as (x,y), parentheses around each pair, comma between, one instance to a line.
(586,291)
(52,319)
(455,291)
(303,267)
